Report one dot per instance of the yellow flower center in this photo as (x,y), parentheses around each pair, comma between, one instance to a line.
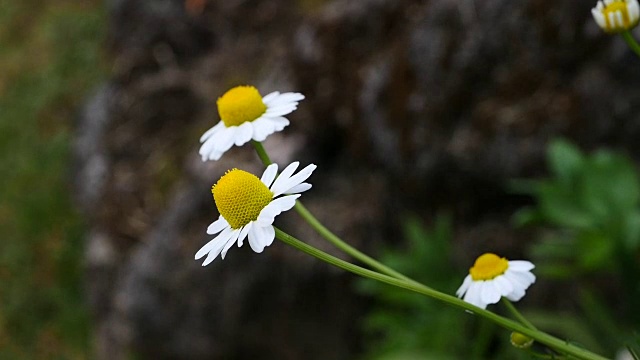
(239,105)
(488,266)
(610,13)
(240,196)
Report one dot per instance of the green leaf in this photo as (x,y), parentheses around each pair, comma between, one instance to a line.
(595,250)
(565,159)
(631,235)
(526,217)
(561,208)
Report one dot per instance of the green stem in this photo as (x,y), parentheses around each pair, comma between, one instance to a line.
(517,314)
(327,234)
(262,153)
(539,336)
(626,35)
(337,242)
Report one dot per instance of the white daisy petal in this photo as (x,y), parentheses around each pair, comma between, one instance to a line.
(515,279)
(243,134)
(213,254)
(289,170)
(269,174)
(295,180)
(262,128)
(520,265)
(473,295)
(272,110)
(275,208)
(286,98)
(634,10)
(516,294)
(244,232)
(211,131)
(206,149)
(279,186)
(216,245)
(267,99)
(269,236)
(611,19)
(215,155)
(280,110)
(256,236)
(279,122)
(226,139)
(230,242)
(503,285)
(299,188)
(213,243)
(465,286)
(489,293)
(217,226)
(599,18)
(526,277)
(213,149)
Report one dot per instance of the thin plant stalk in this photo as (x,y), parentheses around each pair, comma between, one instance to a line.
(512,309)
(633,45)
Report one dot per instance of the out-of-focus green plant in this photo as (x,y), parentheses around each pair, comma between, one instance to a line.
(594,201)
(50,58)
(590,212)
(403,325)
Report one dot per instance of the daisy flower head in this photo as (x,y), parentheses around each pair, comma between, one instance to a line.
(493,277)
(245,115)
(615,16)
(248,206)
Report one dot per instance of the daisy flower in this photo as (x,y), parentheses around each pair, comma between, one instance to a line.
(246,115)
(493,277)
(615,16)
(248,206)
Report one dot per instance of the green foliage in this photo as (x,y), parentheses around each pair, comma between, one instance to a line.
(403,325)
(594,203)
(49,53)
(590,212)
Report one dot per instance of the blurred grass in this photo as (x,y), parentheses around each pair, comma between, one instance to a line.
(49,59)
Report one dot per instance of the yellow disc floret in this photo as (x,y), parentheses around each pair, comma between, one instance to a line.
(239,105)
(488,266)
(240,196)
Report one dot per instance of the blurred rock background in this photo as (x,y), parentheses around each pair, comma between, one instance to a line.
(413,108)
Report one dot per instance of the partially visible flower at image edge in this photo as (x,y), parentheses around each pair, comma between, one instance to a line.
(493,277)
(246,115)
(248,207)
(615,16)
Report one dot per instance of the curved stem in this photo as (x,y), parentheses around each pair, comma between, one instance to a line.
(327,234)
(543,338)
(626,35)
(340,244)
(517,314)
